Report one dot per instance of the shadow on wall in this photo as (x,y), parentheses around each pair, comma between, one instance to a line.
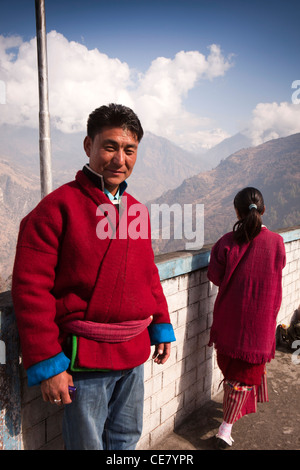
(10,392)
(197,379)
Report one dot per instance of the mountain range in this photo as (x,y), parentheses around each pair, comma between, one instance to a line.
(161,165)
(272,167)
(19,193)
(164,173)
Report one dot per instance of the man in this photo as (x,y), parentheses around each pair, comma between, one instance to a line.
(88,299)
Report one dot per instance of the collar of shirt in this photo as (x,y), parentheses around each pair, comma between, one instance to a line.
(112,198)
(98,180)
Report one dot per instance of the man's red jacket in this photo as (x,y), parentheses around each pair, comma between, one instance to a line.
(64,271)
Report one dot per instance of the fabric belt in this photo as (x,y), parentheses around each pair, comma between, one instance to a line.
(107,332)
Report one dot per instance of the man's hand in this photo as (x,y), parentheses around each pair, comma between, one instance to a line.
(161,353)
(55,389)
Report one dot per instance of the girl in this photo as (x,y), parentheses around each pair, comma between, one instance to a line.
(247,266)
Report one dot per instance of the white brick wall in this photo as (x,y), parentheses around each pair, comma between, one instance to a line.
(189,377)
(291,282)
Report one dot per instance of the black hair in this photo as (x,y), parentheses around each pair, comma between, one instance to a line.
(114,115)
(249,203)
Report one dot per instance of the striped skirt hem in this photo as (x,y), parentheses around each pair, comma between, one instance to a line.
(240,399)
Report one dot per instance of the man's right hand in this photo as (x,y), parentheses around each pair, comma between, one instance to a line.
(55,389)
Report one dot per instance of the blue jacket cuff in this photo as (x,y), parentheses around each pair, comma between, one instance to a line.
(161,333)
(45,369)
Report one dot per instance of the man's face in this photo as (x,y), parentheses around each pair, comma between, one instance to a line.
(112,154)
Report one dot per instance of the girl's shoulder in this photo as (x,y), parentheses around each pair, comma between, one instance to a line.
(224,244)
(267,234)
(226,239)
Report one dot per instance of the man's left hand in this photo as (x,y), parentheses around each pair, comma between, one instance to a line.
(161,353)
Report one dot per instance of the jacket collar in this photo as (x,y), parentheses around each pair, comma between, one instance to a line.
(98,180)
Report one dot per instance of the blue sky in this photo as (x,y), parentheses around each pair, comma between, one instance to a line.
(259,39)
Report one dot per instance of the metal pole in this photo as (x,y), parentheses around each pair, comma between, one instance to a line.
(44,116)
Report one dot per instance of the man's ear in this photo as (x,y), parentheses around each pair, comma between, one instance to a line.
(87,143)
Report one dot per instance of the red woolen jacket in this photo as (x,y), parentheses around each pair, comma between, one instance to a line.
(64,271)
(249,277)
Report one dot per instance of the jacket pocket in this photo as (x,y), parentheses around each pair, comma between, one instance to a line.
(69,304)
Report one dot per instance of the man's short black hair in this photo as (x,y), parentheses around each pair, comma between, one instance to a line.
(114,115)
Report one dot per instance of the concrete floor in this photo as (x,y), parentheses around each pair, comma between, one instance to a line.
(275,426)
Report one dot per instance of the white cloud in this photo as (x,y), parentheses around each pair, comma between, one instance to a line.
(18,71)
(202,139)
(273,120)
(81,80)
(159,97)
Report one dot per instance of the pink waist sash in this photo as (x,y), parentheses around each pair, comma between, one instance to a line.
(107,332)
